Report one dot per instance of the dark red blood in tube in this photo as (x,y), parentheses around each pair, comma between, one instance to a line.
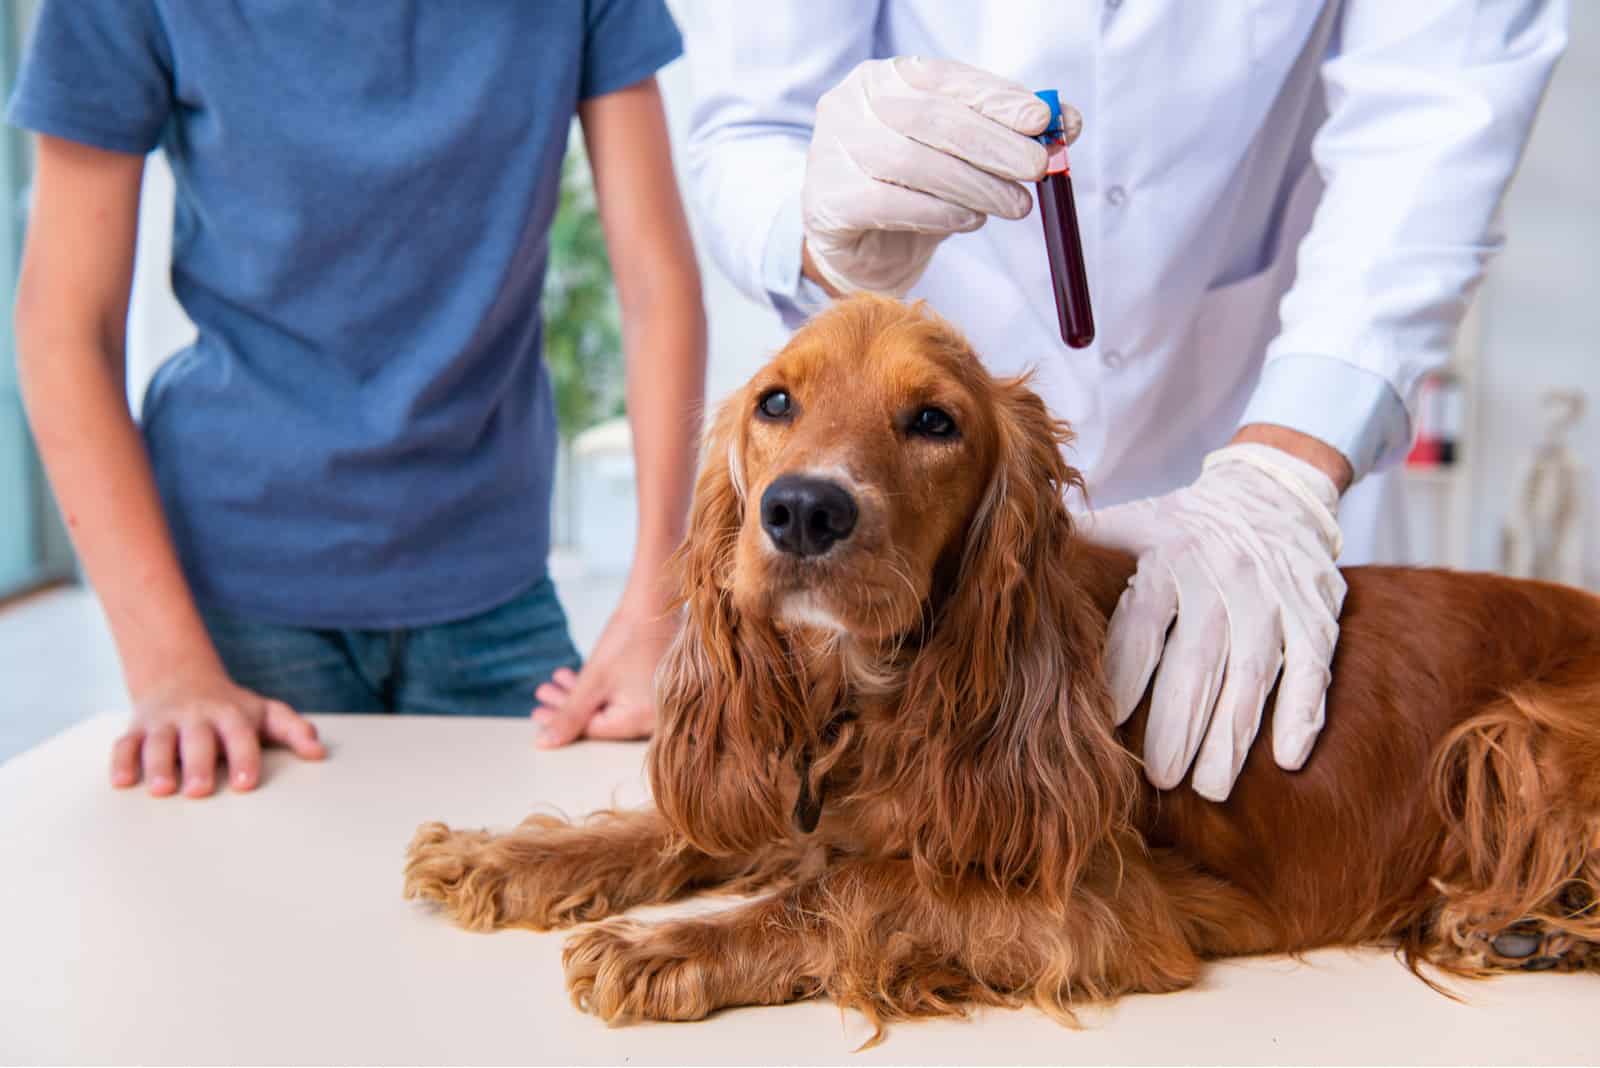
(1060,214)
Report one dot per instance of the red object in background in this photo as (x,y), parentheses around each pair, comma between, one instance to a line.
(1438,421)
(1424,453)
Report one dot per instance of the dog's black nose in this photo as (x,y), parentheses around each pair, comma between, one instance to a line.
(806,516)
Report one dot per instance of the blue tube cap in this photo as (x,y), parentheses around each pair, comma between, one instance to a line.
(1056,128)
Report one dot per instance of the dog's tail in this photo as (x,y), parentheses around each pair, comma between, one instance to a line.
(1518,789)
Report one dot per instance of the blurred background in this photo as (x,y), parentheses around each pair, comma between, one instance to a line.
(1503,477)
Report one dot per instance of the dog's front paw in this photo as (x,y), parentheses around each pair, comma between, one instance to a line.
(623,971)
(539,876)
(454,869)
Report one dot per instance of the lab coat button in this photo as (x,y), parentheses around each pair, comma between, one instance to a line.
(1112,358)
(1116,196)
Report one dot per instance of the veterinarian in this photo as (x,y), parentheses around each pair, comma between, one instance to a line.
(339,496)
(1285,208)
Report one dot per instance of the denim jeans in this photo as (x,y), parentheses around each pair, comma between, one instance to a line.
(487,665)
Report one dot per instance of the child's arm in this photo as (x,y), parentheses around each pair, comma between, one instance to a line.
(664,339)
(71,315)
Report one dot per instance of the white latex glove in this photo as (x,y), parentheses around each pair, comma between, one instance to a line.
(1243,559)
(908,151)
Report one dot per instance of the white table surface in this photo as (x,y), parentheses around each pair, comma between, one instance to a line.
(270,928)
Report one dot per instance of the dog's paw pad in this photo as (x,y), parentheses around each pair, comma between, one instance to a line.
(1517,943)
(1539,946)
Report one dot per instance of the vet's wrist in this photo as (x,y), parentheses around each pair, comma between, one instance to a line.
(1289,480)
(1319,454)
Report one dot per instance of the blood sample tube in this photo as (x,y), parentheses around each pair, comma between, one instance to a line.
(1062,241)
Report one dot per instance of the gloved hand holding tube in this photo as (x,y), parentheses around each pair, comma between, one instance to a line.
(908,151)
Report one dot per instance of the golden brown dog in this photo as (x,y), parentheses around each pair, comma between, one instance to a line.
(886,717)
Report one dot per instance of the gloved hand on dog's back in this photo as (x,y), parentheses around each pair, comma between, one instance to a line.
(1240,566)
(908,151)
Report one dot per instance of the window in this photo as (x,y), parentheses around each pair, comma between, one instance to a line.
(33,548)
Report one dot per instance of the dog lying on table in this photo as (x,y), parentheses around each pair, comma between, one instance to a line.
(886,718)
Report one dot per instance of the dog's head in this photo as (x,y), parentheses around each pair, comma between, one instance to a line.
(873,490)
(846,484)
(858,458)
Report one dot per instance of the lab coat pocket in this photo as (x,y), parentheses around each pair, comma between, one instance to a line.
(1227,341)
(1228,337)
(1239,317)
(1191,404)
(1279,31)
(1243,313)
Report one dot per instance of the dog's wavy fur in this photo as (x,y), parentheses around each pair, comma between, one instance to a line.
(984,834)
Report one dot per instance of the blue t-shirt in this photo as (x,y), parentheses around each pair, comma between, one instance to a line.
(363,434)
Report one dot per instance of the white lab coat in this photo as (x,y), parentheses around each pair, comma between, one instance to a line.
(1343,157)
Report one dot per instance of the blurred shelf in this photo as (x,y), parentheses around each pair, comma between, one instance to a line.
(1435,476)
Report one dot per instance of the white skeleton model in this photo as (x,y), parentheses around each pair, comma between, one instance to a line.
(1543,536)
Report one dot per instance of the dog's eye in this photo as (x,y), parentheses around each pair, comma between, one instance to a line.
(774,404)
(933,423)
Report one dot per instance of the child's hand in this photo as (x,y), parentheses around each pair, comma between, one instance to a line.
(614,695)
(192,721)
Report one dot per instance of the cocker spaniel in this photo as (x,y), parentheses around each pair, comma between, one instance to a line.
(885,720)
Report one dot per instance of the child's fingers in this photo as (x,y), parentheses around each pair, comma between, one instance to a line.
(289,728)
(554,693)
(243,748)
(622,722)
(197,749)
(549,695)
(125,759)
(566,723)
(160,757)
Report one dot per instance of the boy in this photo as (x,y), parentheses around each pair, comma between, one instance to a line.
(338,499)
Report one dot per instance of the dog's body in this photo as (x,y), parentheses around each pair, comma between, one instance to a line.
(886,715)
(1454,789)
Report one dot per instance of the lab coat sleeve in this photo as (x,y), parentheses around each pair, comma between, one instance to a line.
(1429,108)
(758,70)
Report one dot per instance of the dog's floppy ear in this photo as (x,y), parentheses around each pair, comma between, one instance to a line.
(717,759)
(1025,775)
